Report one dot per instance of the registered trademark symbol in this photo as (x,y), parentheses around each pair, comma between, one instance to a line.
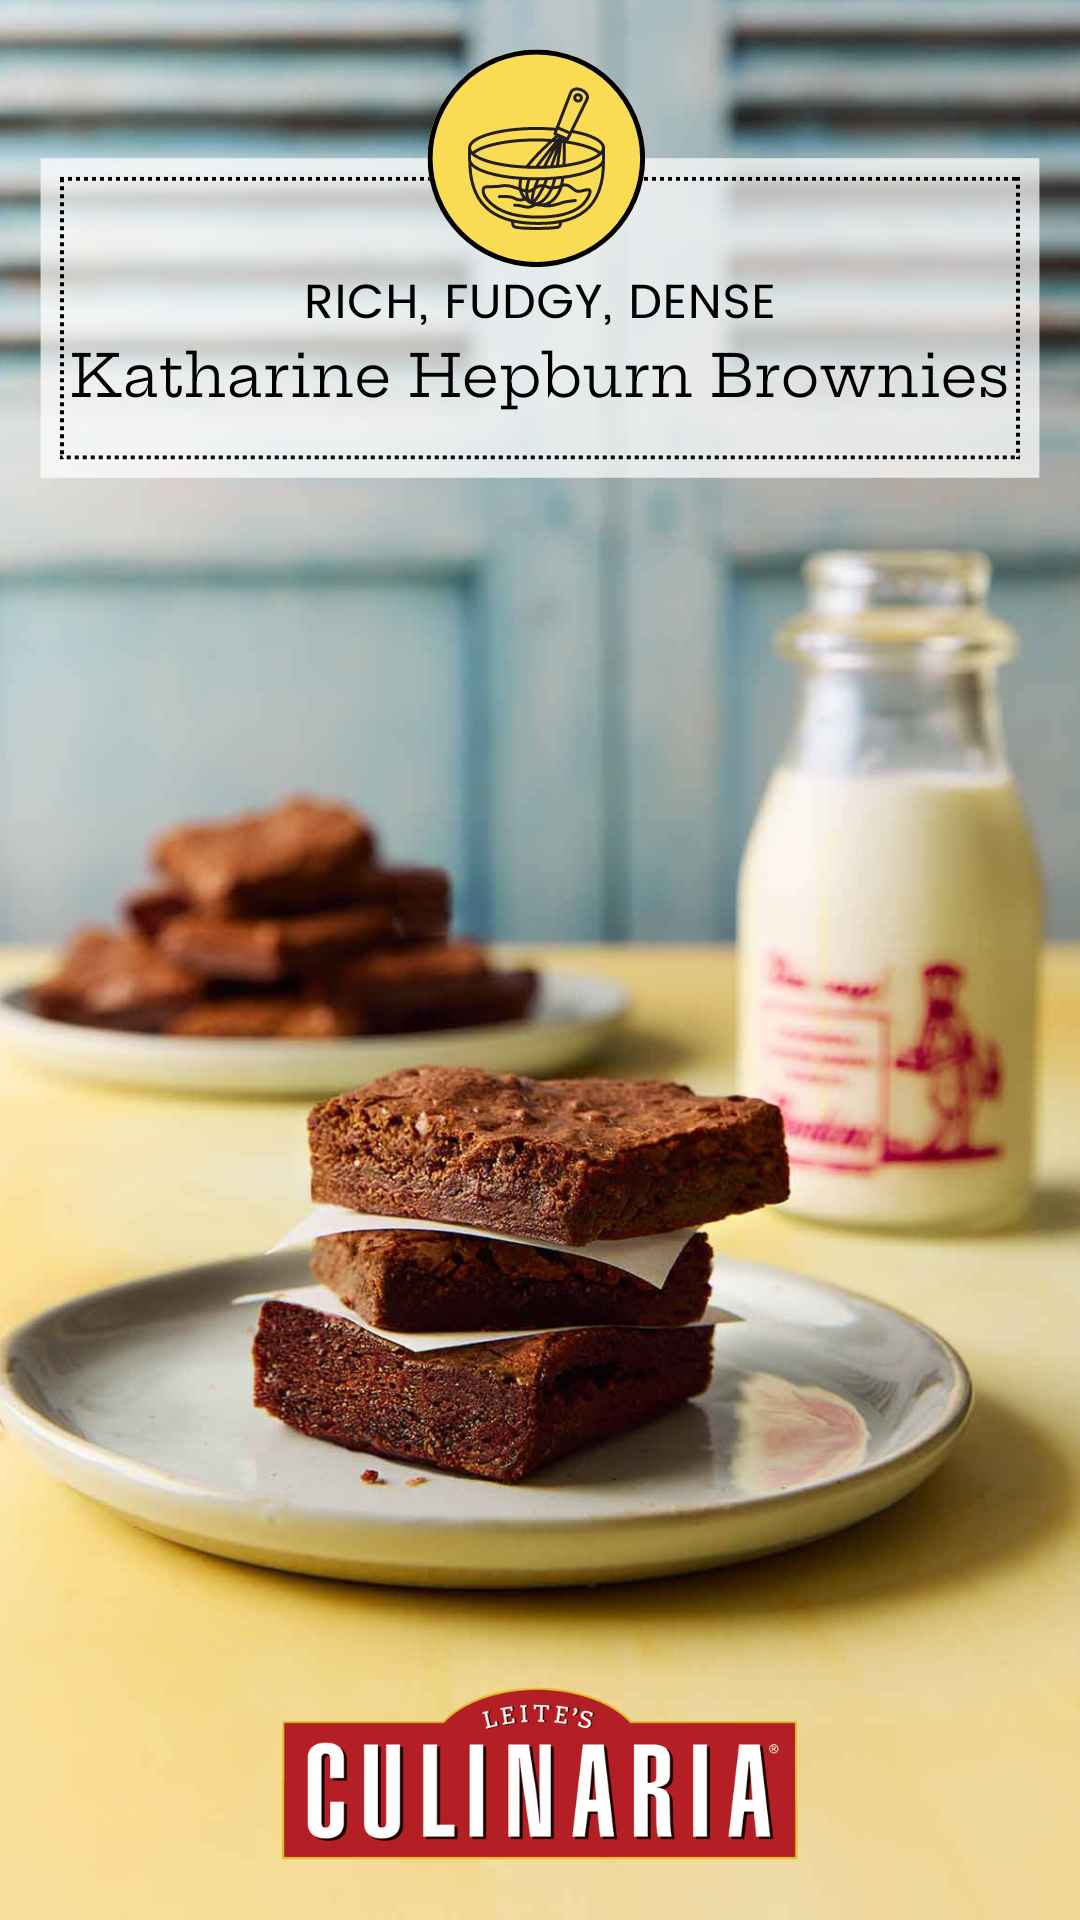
(774,1747)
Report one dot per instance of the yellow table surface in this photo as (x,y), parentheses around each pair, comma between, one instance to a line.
(930,1656)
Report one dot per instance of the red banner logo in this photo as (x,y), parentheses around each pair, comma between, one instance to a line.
(540,1773)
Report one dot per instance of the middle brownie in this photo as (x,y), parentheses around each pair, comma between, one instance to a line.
(409,1281)
(297,947)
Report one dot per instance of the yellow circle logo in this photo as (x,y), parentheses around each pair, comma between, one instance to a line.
(536,157)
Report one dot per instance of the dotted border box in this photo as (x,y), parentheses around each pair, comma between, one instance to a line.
(665,179)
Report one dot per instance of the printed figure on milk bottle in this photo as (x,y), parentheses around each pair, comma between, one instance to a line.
(890,907)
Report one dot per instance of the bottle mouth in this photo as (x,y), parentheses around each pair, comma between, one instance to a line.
(894,608)
(851,582)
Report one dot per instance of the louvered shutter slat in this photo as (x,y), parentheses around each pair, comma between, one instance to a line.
(959,80)
(237,84)
(307,81)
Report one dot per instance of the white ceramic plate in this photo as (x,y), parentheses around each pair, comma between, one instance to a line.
(573,1017)
(824,1407)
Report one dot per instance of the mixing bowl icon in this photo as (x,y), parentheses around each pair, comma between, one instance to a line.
(507,180)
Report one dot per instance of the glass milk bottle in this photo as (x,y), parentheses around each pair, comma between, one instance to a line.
(890,907)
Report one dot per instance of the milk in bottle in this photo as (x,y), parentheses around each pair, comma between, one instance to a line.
(890,907)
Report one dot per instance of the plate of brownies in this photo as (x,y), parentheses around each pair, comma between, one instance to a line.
(276,953)
(497,1353)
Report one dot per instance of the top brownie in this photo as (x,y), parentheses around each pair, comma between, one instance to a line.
(300,854)
(564,1160)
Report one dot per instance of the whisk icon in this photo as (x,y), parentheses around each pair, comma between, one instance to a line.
(544,193)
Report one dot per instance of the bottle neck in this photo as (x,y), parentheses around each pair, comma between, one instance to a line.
(912,719)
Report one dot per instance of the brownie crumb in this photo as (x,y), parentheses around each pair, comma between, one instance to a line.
(371,1478)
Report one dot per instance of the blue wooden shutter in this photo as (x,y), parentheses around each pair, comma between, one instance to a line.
(957,79)
(189,645)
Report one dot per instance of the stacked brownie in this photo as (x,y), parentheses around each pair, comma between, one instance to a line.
(573,1162)
(282,923)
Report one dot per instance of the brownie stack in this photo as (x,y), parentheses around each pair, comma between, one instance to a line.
(569,1161)
(285,924)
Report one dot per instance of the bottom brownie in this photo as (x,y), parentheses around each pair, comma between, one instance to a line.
(490,1000)
(116,980)
(408,1281)
(268,1016)
(430,986)
(498,1411)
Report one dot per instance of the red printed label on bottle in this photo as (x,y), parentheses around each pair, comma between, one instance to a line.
(852,1098)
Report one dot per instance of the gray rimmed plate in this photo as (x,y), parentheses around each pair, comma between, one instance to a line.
(574,1015)
(824,1408)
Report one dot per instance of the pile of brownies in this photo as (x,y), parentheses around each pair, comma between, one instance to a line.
(572,1162)
(282,923)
